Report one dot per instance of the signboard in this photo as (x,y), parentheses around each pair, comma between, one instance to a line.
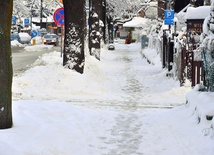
(195,25)
(13,20)
(39,33)
(33,33)
(26,21)
(59,16)
(87,9)
(169,17)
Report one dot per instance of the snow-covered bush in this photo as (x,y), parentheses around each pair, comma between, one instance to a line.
(154,36)
(207,48)
(179,44)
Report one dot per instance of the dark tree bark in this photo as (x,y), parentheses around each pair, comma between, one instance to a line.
(103,18)
(74,14)
(110,29)
(96,24)
(6,71)
(109,25)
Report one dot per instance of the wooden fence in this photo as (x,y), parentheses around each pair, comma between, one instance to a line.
(189,68)
(197,72)
(186,66)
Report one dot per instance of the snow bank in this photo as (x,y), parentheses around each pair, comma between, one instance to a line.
(152,56)
(16,43)
(38,47)
(48,71)
(201,105)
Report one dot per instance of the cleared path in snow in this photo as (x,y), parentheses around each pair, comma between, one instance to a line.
(125,134)
(135,129)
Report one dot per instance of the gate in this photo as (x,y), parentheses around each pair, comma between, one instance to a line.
(190,69)
(197,72)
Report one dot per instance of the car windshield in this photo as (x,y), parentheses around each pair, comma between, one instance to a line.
(50,36)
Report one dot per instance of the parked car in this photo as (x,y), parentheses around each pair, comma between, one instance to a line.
(14,36)
(25,38)
(51,39)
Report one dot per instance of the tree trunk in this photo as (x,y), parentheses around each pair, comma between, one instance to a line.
(110,29)
(6,71)
(207,2)
(109,25)
(74,14)
(103,18)
(96,24)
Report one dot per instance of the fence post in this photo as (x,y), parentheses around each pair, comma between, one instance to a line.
(183,66)
(170,55)
(194,66)
(164,49)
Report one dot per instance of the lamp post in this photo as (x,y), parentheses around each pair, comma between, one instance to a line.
(31,9)
(41,15)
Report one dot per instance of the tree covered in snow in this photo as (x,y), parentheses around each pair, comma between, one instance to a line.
(27,8)
(20,9)
(74,13)
(124,8)
(96,24)
(207,48)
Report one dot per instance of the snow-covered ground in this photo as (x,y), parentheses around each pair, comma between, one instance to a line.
(115,108)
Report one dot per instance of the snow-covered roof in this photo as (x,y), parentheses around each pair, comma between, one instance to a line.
(135,22)
(198,13)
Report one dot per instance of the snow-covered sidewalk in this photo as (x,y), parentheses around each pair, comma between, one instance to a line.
(102,112)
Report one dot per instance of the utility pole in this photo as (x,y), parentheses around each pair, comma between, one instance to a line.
(31,17)
(41,15)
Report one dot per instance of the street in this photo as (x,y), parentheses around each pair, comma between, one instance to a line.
(22,59)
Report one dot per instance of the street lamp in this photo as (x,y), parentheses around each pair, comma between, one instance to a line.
(41,15)
(31,9)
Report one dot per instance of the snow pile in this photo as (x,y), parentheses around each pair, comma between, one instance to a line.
(202,108)
(38,47)
(15,43)
(152,56)
(63,83)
